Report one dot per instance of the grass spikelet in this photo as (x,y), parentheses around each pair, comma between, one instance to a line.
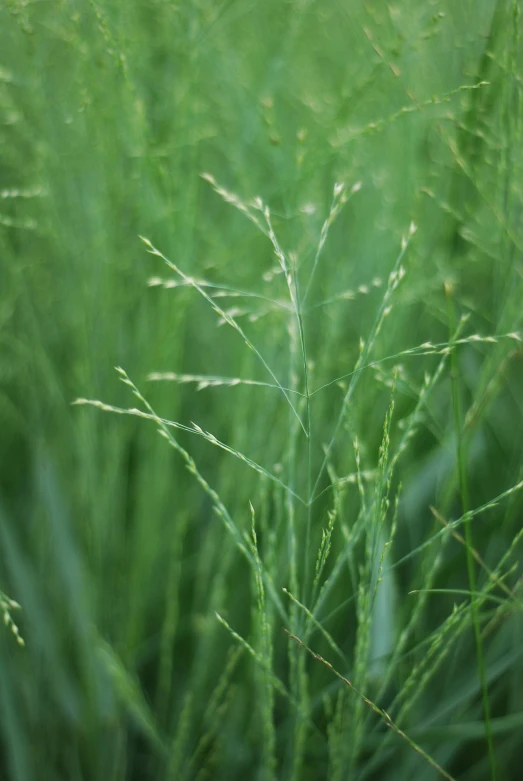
(7,606)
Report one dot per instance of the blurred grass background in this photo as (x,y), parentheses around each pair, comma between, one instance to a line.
(109,113)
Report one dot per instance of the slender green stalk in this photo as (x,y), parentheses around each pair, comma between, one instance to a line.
(461,458)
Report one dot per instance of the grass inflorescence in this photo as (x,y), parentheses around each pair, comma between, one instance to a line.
(313,572)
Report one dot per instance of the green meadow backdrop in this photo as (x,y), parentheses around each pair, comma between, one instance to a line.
(274,252)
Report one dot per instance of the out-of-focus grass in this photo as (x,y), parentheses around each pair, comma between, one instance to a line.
(120,556)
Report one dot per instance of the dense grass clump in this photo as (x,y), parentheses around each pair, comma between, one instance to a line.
(296,229)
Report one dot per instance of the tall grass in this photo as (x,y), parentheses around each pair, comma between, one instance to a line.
(296,231)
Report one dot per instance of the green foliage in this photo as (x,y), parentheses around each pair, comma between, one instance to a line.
(297,227)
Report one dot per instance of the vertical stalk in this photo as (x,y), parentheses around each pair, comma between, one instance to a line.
(464,489)
(309,454)
(299,672)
